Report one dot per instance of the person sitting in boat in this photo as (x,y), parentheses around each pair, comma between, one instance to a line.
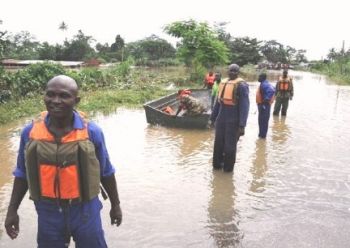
(189,104)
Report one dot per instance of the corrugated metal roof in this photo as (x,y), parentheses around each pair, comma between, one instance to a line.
(29,62)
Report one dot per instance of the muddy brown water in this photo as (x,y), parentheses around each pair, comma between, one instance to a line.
(290,190)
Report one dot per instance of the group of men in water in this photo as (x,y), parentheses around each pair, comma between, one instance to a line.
(230,107)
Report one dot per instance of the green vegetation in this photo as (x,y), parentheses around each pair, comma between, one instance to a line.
(200,45)
(13,110)
(336,67)
(199,48)
(24,83)
(101,89)
(152,51)
(338,71)
(102,100)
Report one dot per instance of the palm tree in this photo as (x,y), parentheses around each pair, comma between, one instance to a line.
(332,54)
(63,26)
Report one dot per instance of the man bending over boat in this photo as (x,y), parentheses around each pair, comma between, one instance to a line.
(189,104)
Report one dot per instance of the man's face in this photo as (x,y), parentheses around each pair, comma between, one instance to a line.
(60,99)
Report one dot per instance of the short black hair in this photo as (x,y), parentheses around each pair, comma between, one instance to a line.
(262,76)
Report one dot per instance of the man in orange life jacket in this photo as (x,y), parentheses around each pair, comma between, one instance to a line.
(230,115)
(209,80)
(284,93)
(264,98)
(62,160)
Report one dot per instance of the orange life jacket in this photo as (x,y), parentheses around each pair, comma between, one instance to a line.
(210,79)
(227,91)
(259,97)
(67,169)
(284,83)
(168,110)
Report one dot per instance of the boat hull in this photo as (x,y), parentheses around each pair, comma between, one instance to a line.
(156,116)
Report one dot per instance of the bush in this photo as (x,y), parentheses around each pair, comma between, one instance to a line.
(33,78)
(5,95)
(122,70)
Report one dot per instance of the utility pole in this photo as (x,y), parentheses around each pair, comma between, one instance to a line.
(342,58)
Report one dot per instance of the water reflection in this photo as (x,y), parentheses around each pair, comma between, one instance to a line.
(8,146)
(181,146)
(223,226)
(280,130)
(259,167)
(191,141)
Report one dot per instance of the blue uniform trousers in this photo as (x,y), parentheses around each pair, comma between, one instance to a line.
(263,118)
(225,145)
(56,224)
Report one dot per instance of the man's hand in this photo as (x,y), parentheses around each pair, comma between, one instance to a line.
(116,215)
(241,131)
(12,224)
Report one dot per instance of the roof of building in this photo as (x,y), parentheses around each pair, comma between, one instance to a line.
(29,62)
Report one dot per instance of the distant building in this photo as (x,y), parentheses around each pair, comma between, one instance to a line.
(93,62)
(16,64)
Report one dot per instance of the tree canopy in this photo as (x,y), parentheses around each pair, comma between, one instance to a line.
(198,43)
(245,51)
(151,48)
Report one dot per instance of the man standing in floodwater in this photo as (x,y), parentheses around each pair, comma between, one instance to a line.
(284,93)
(230,115)
(264,98)
(62,160)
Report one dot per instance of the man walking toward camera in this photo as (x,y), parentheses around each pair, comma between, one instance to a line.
(62,160)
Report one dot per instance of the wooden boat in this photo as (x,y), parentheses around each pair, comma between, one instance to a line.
(155,115)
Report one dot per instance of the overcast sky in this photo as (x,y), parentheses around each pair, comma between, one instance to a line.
(315,26)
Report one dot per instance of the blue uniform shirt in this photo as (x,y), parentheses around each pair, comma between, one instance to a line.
(267,91)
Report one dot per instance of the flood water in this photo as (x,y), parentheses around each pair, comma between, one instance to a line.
(290,190)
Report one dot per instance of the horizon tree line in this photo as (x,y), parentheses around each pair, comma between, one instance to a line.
(199,44)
